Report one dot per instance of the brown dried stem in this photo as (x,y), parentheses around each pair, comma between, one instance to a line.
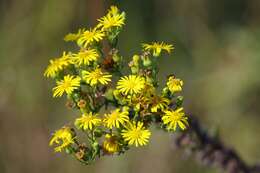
(210,150)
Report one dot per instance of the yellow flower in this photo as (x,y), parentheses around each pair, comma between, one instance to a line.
(57,65)
(130,84)
(96,76)
(85,56)
(68,85)
(157,47)
(90,36)
(174,118)
(73,36)
(113,10)
(116,118)
(158,102)
(110,144)
(136,134)
(87,121)
(174,85)
(112,19)
(62,138)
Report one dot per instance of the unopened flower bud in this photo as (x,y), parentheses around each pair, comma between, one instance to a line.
(147,62)
(134,69)
(136,60)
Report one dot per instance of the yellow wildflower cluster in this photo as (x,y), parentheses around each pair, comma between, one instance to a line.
(93,81)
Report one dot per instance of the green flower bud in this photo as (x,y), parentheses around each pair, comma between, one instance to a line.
(179,100)
(147,62)
(98,133)
(135,70)
(69,150)
(109,94)
(116,58)
(165,91)
(136,60)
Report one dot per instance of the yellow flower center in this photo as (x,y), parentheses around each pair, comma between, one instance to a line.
(131,84)
(87,118)
(89,35)
(137,133)
(114,115)
(66,84)
(96,74)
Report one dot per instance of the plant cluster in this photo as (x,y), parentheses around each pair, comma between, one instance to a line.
(118,103)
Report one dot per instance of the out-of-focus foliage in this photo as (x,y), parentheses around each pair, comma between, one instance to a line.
(217,55)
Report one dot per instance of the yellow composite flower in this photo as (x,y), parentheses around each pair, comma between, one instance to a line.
(157,47)
(136,134)
(96,76)
(131,84)
(113,10)
(57,64)
(73,36)
(85,56)
(62,138)
(112,19)
(90,36)
(159,103)
(67,85)
(116,118)
(87,121)
(174,84)
(172,119)
(110,144)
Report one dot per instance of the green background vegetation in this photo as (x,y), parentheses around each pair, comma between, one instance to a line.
(217,55)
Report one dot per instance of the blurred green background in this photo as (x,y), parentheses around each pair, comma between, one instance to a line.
(217,55)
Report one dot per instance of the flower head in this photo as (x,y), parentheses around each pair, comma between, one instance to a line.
(73,36)
(96,76)
(57,65)
(157,47)
(112,19)
(110,144)
(174,85)
(136,134)
(90,36)
(115,118)
(62,138)
(131,84)
(159,103)
(173,118)
(67,85)
(87,121)
(85,56)
(113,10)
